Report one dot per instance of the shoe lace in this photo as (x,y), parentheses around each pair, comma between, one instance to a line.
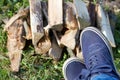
(93,61)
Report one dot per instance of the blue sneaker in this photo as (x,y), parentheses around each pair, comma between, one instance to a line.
(97,53)
(73,69)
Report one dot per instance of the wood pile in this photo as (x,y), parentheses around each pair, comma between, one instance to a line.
(53,26)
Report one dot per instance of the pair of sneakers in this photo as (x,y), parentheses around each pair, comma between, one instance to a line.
(97,55)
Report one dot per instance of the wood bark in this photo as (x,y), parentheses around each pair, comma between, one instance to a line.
(104,24)
(36,21)
(15,43)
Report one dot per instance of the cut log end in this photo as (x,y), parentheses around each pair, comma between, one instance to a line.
(43,45)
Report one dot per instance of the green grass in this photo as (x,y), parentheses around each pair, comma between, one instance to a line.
(36,67)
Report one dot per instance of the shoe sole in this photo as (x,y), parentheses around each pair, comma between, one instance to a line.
(68,61)
(103,38)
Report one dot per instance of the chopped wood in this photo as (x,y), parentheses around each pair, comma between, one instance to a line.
(15,33)
(15,43)
(53,27)
(68,39)
(55,51)
(70,17)
(82,14)
(28,32)
(104,24)
(36,21)
(43,45)
(55,14)
(22,13)
(15,58)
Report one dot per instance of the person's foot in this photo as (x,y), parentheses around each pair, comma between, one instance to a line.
(72,69)
(97,52)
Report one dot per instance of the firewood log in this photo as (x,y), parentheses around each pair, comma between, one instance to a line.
(36,21)
(82,14)
(20,14)
(55,14)
(55,51)
(70,16)
(103,22)
(68,39)
(43,45)
(15,43)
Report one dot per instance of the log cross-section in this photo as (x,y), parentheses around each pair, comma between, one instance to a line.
(36,20)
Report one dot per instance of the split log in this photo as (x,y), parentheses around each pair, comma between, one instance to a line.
(55,14)
(68,39)
(43,45)
(70,16)
(55,51)
(15,35)
(20,14)
(104,24)
(82,14)
(36,21)
(15,43)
